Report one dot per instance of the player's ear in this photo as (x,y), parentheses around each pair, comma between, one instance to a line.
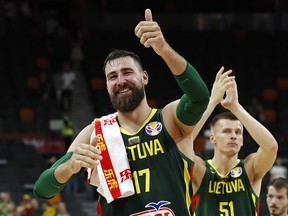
(145,77)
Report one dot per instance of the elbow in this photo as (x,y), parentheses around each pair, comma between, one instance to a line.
(190,113)
(274,147)
(38,194)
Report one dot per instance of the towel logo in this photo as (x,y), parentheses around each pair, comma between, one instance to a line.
(156,210)
(236,172)
(153,128)
(110,121)
(125,175)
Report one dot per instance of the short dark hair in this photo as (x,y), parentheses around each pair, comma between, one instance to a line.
(115,54)
(224,115)
(279,183)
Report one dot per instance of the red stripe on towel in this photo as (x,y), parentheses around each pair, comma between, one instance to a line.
(106,163)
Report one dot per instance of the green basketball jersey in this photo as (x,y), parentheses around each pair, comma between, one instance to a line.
(229,195)
(161,174)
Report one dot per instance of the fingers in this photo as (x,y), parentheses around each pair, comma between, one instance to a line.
(144,26)
(85,162)
(224,76)
(227,73)
(234,83)
(88,151)
(86,156)
(231,94)
(219,73)
(148,15)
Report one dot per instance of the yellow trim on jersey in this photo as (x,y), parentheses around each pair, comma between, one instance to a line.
(187,182)
(218,173)
(152,113)
(254,198)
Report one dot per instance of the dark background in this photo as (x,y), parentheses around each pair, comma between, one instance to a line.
(249,37)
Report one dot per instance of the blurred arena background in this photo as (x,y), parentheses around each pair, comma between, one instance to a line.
(38,36)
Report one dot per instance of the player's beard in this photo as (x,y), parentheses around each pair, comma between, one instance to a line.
(130,102)
(275,211)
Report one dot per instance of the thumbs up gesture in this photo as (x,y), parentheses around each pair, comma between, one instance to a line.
(150,34)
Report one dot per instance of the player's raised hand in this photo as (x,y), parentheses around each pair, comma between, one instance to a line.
(150,33)
(222,82)
(231,99)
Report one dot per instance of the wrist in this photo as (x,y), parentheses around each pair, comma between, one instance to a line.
(176,63)
(235,108)
(63,173)
(212,103)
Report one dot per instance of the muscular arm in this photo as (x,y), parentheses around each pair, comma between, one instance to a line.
(221,84)
(264,158)
(182,114)
(259,163)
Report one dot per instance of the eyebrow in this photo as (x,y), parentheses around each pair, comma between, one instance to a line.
(121,70)
(127,68)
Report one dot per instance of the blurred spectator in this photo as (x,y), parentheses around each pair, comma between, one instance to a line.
(62,210)
(7,206)
(209,147)
(57,83)
(68,78)
(77,55)
(25,208)
(37,209)
(51,21)
(278,170)
(46,88)
(48,209)
(68,130)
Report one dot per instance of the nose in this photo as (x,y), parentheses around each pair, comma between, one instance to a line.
(274,200)
(233,135)
(121,80)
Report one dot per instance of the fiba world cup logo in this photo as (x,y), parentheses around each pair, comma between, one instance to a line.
(153,128)
(236,172)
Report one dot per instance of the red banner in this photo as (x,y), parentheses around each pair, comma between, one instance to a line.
(43,143)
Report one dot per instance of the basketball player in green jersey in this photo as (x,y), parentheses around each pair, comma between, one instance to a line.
(154,138)
(227,185)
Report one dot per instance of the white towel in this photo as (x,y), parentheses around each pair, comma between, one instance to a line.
(112,175)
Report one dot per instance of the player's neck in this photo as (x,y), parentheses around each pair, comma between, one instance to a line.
(223,165)
(132,121)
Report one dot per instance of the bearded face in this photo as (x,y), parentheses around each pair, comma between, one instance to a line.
(126,82)
(127,102)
